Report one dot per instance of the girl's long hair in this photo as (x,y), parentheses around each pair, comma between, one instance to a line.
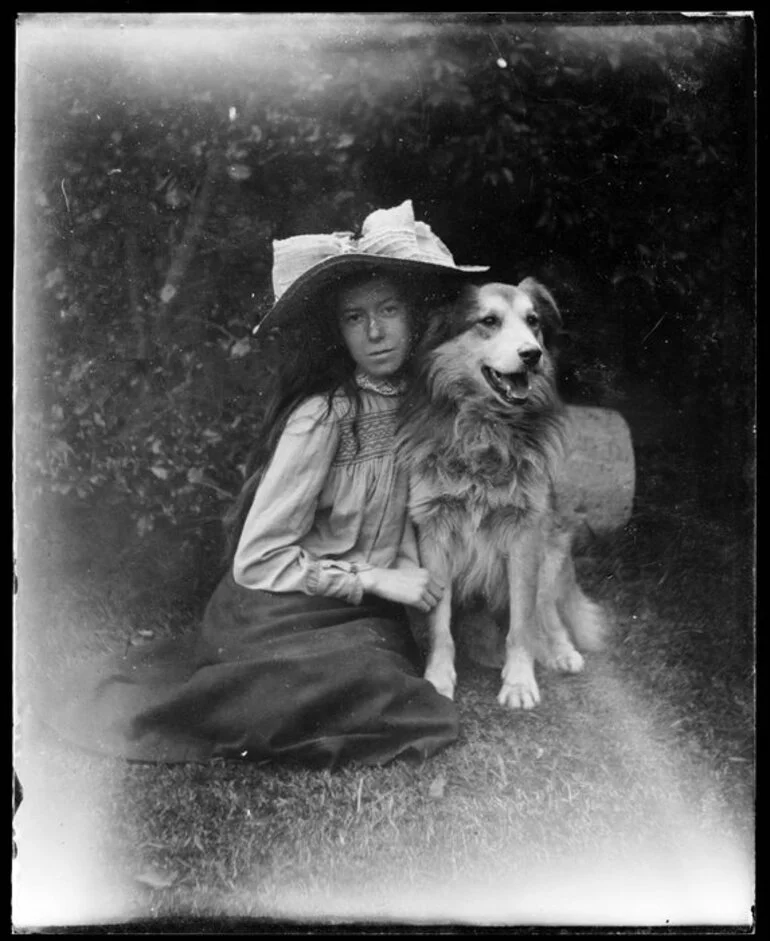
(315,361)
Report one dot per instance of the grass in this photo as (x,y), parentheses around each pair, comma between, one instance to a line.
(626,798)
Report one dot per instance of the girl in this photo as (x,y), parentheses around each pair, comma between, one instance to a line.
(304,651)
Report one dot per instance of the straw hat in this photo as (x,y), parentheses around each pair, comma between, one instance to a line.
(391,241)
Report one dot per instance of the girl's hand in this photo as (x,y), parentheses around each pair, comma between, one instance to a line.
(416,588)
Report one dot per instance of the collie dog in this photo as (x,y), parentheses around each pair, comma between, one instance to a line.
(481,436)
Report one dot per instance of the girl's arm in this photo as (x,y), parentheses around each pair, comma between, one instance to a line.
(269,556)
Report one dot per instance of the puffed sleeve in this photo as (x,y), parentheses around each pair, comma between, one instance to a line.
(269,556)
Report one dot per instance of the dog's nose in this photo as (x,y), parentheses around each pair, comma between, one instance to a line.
(530,356)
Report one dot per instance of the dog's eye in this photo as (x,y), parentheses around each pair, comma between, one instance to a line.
(491,320)
(533,320)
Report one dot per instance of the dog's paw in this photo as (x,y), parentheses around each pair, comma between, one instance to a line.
(523,695)
(443,678)
(519,689)
(565,660)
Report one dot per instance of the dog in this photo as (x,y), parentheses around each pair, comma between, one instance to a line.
(480,437)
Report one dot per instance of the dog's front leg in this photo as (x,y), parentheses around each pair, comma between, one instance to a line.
(519,689)
(440,667)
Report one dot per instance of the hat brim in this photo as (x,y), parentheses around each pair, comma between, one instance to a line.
(294,303)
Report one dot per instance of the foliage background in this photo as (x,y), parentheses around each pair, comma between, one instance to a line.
(159,155)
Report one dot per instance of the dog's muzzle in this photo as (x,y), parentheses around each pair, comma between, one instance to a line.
(512,387)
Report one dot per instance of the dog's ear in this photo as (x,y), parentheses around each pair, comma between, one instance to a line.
(435,331)
(545,306)
(444,320)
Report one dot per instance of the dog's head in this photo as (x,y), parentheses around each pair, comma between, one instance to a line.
(497,338)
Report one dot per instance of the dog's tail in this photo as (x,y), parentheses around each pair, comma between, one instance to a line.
(588,622)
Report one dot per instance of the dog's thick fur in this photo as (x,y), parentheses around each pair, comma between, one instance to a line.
(481,436)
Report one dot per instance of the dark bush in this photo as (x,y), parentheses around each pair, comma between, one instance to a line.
(613,160)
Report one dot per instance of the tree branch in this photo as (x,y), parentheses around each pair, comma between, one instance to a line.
(185,250)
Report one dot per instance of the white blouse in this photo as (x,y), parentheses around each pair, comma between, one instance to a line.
(329,505)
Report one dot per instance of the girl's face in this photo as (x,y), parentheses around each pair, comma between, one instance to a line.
(375,324)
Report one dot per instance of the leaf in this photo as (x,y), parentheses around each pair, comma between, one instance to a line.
(137,640)
(437,787)
(195,475)
(168,293)
(174,197)
(156,878)
(159,472)
(238,171)
(53,278)
(78,371)
(240,348)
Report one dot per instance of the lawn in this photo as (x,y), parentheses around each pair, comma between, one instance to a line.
(625,799)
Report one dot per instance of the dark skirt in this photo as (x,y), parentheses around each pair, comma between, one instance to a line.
(265,677)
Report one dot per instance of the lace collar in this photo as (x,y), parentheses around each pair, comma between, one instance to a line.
(381,386)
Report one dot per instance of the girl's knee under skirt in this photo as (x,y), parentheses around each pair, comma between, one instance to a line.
(264,677)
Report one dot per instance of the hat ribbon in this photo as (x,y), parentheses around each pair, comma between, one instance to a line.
(386,233)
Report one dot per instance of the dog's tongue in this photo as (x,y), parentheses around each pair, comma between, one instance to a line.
(516,384)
